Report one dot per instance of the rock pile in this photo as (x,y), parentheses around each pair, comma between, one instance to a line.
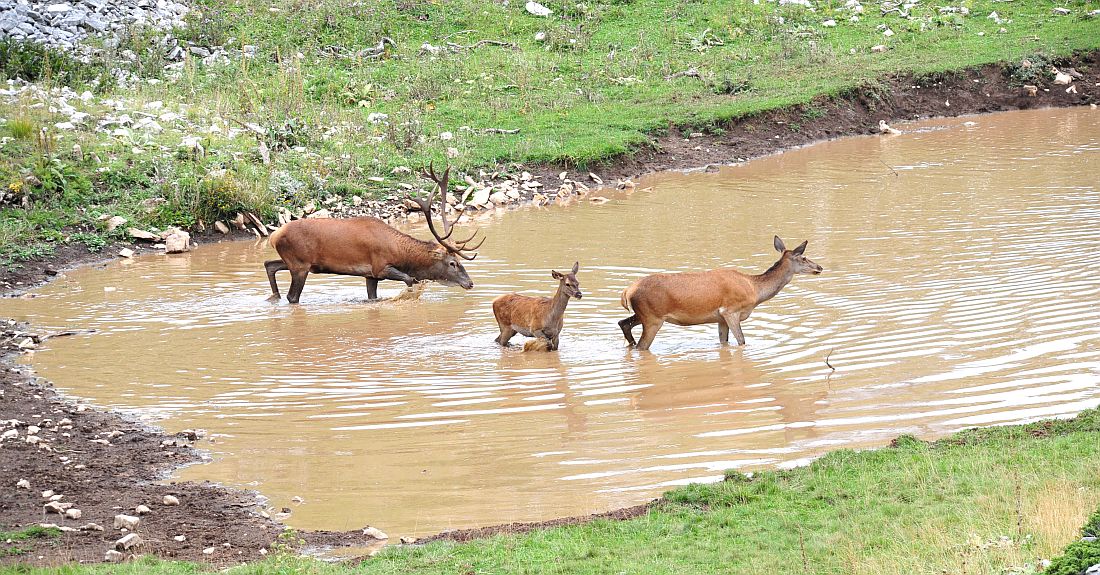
(62,24)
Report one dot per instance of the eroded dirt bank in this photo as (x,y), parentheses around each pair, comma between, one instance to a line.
(116,477)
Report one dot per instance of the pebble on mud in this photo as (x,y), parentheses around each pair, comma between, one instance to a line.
(142,510)
(126,522)
(113,556)
(126,253)
(73,513)
(177,242)
(170,500)
(375,533)
(23,484)
(128,541)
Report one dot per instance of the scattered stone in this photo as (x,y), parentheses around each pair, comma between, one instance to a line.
(114,222)
(47,494)
(126,522)
(129,540)
(180,538)
(209,550)
(126,253)
(90,527)
(221,227)
(377,117)
(54,507)
(830,23)
(1094,570)
(885,128)
(142,510)
(1071,90)
(375,533)
(1032,91)
(177,242)
(878,49)
(23,484)
(595,178)
(408,540)
(113,556)
(536,9)
(1061,11)
(170,500)
(1062,78)
(73,513)
(139,234)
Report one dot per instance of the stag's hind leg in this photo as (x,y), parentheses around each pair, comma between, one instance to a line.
(627,325)
(297,282)
(649,331)
(272,267)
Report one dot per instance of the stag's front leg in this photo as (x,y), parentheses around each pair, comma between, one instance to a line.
(372,288)
(392,273)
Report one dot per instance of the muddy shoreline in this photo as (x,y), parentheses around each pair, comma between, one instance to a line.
(103,480)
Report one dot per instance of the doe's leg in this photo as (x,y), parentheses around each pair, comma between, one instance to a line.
(649,331)
(733,320)
(626,325)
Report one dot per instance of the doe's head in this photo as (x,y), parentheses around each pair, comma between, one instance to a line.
(569,282)
(802,264)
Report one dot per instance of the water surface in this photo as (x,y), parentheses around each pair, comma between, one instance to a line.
(960,288)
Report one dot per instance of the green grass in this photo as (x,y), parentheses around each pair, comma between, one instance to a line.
(8,539)
(601,84)
(989,501)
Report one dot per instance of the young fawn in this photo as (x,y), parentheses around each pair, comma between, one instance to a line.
(539,317)
(722,296)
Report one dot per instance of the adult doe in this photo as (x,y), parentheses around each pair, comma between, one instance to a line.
(370,248)
(538,317)
(722,296)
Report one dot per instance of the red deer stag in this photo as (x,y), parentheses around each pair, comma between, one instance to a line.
(539,317)
(722,296)
(369,248)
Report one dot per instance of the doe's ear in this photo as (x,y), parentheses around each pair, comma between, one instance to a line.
(554,274)
(778,243)
(576,267)
(801,248)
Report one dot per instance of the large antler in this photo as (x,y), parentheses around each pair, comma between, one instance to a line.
(458,248)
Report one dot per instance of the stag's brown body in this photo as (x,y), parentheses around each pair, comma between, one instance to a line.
(367,247)
(538,317)
(723,296)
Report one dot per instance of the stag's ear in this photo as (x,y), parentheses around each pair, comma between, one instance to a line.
(439,253)
(801,248)
(554,274)
(576,267)
(778,243)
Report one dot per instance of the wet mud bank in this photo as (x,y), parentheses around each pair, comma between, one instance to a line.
(106,464)
(106,479)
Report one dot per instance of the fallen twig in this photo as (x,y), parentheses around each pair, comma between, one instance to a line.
(889,167)
(68,333)
(827,360)
(459,47)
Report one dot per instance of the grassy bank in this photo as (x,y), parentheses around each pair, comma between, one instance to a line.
(990,501)
(474,83)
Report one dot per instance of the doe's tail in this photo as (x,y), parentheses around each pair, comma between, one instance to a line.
(626,295)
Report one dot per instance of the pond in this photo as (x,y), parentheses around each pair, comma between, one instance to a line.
(960,288)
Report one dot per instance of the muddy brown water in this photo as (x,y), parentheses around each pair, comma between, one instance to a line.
(960,288)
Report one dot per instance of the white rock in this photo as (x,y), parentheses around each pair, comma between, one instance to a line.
(375,533)
(114,222)
(536,9)
(64,126)
(9,434)
(320,214)
(887,32)
(47,494)
(73,513)
(170,500)
(453,153)
(829,23)
(23,484)
(126,522)
(221,227)
(126,253)
(113,556)
(142,234)
(180,538)
(129,540)
(33,429)
(1062,79)
(878,48)
(498,198)
(540,36)
(209,550)
(142,510)
(445,136)
(177,242)
(377,117)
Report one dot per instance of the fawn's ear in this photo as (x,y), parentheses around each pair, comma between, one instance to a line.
(555,275)
(778,243)
(576,267)
(800,249)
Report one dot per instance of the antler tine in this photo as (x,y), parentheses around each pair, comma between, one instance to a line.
(442,183)
(464,247)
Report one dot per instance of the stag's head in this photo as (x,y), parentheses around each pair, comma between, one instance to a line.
(569,283)
(448,270)
(801,264)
